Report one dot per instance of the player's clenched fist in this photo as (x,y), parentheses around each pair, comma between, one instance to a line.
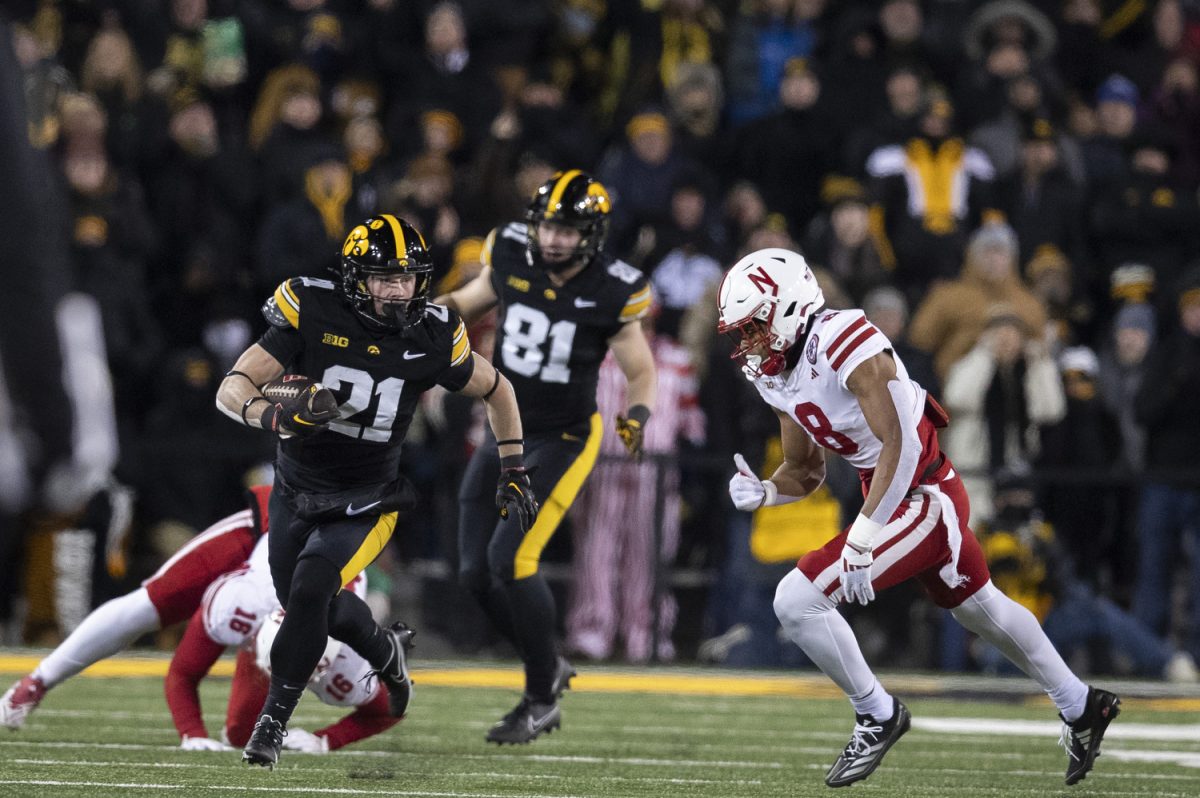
(748,491)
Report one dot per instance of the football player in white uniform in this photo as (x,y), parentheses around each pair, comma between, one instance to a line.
(240,610)
(835,383)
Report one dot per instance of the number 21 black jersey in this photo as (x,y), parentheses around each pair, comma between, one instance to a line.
(377,376)
(551,339)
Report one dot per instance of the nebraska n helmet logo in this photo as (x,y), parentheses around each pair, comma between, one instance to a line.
(762,281)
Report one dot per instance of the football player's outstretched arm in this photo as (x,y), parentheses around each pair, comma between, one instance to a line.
(473,299)
(883,404)
(803,468)
(238,391)
(488,384)
(633,355)
(513,492)
(632,351)
(801,472)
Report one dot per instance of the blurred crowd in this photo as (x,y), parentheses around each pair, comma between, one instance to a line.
(1008,188)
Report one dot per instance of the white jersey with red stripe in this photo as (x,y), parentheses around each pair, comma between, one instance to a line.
(815,395)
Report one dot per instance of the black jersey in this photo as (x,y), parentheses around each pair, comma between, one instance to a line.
(376,375)
(551,339)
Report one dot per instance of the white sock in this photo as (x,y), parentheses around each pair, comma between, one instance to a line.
(111,627)
(1011,628)
(811,621)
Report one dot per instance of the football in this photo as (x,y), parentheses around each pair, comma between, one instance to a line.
(290,388)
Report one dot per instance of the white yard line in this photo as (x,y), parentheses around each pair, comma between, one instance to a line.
(1045,728)
(485,774)
(242,788)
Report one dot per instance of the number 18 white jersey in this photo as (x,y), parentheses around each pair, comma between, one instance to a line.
(815,395)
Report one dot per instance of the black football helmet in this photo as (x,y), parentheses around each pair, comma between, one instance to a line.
(575,199)
(385,245)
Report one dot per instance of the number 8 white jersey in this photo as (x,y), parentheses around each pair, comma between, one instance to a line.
(815,395)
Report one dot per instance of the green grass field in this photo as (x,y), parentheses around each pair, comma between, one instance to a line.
(662,733)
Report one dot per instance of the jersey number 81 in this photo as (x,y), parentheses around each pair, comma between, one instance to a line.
(526,330)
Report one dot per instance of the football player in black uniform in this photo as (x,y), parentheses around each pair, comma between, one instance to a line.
(563,304)
(376,343)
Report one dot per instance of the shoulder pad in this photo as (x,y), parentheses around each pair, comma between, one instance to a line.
(460,344)
(638,296)
(282,309)
(624,272)
(849,331)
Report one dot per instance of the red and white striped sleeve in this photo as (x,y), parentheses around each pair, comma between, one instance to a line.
(853,340)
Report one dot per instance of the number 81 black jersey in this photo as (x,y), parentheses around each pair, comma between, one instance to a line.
(377,376)
(551,339)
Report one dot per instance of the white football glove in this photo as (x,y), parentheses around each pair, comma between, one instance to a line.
(856,576)
(305,742)
(203,744)
(748,491)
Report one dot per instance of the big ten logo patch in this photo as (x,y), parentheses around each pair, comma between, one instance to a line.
(335,340)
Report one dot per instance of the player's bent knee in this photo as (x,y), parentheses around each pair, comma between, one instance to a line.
(797,598)
(316,580)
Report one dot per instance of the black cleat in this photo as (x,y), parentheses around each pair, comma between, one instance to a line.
(265,743)
(394,675)
(1082,738)
(870,741)
(528,720)
(563,674)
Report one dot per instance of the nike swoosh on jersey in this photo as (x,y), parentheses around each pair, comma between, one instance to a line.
(584,303)
(410,355)
(351,510)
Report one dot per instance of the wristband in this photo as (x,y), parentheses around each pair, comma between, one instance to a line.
(638,413)
(266,420)
(511,441)
(246,406)
(862,533)
(512,461)
(770,493)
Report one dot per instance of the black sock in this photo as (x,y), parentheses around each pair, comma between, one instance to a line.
(282,699)
(350,621)
(533,612)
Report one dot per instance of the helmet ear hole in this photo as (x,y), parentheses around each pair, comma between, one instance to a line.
(791,308)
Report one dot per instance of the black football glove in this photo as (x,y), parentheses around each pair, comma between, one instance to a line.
(630,429)
(513,492)
(307,414)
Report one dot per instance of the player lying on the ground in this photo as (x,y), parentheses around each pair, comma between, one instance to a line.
(240,609)
(836,383)
(171,595)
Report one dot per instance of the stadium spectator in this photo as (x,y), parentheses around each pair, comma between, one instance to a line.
(1146,215)
(1039,199)
(948,322)
(627,510)
(1030,564)
(298,233)
(786,153)
(1170,499)
(839,238)
(998,396)
(640,175)
(930,190)
(1083,442)
(763,36)
(1115,117)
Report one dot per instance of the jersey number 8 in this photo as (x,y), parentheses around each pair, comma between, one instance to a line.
(817,423)
(525,331)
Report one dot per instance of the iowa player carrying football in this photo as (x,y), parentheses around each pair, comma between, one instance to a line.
(376,343)
(563,304)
